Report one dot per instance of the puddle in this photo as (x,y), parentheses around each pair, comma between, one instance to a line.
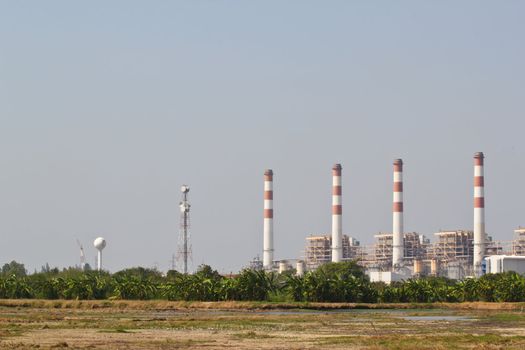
(437,318)
(359,314)
(339,311)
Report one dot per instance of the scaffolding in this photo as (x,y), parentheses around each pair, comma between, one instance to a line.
(319,250)
(518,245)
(382,251)
(453,245)
(415,247)
(453,253)
(497,247)
(450,255)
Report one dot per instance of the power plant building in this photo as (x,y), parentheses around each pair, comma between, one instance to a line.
(318,250)
(399,255)
(518,245)
(414,247)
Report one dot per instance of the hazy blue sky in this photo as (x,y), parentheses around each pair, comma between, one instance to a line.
(107,107)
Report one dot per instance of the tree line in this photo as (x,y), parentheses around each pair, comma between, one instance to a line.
(333,282)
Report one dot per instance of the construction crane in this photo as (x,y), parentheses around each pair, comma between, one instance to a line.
(82,256)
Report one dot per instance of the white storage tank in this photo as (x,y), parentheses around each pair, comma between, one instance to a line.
(283,266)
(299,268)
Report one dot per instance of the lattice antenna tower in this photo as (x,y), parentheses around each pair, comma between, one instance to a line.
(184,249)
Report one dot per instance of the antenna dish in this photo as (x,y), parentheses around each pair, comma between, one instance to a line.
(185,189)
(99,243)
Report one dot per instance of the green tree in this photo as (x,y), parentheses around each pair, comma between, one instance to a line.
(134,287)
(141,273)
(256,285)
(510,287)
(344,269)
(14,268)
(295,286)
(339,282)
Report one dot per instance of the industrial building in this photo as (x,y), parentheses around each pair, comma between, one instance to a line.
(518,246)
(414,247)
(318,250)
(504,263)
(400,255)
(451,254)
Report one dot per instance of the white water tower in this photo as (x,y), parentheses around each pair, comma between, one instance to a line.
(99,243)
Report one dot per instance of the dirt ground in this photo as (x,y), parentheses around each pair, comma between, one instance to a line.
(121,326)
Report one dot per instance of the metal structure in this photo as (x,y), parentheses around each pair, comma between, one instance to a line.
(337,214)
(318,250)
(414,247)
(268,220)
(256,264)
(518,246)
(453,245)
(451,254)
(184,249)
(100,244)
(82,256)
(397,216)
(479,213)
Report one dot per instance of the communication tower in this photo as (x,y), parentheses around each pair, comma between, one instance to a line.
(184,249)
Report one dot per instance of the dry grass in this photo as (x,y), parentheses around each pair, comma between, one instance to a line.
(111,325)
(244,305)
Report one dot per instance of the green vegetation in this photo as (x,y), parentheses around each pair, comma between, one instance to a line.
(334,282)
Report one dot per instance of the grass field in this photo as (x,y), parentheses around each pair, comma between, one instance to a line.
(38,324)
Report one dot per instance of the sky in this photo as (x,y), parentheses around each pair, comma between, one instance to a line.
(108,107)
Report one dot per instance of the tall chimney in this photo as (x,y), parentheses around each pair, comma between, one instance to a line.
(268,220)
(397,216)
(337,211)
(479,213)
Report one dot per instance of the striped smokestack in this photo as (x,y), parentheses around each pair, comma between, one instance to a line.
(337,211)
(479,213)
(397,216)
(268,220)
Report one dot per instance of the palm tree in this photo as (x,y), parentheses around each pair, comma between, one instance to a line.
(295,287)
(14,287)
(133,287)
(510,287)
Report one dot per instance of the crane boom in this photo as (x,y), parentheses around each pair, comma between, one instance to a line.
(82,256)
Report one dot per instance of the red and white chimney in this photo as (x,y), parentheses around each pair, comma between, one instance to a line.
(397,216)
(337,214)
(479,213)
(268,220)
